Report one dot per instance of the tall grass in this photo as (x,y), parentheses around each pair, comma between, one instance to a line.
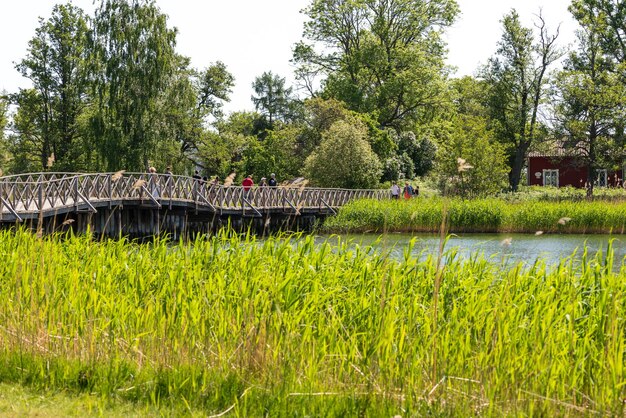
(563,194)
(290,327)
(480,215)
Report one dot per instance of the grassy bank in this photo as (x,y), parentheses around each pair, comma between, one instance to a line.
(567,193)
(287,327)
(480,215)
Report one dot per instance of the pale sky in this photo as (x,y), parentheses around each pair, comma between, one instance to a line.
(253,36)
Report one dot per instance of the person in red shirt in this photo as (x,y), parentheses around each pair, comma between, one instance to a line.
(247,183)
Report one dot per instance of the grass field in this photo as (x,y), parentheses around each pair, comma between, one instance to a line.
(480,215)
(288,327)
(19,401)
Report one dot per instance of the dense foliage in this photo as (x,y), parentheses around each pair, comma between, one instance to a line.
(344,159)
(470,161)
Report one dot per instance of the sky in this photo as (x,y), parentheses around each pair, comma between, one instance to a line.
(253,36)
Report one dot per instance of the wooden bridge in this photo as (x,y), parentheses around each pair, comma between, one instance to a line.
(140,204)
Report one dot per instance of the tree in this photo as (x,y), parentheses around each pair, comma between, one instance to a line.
(277,153)
(4,122)
(465,139)
(413,157)
(134,61)
(320,114)
(420,152)
(57,67)
(608,17)
(273,100)
(381,57)
(214,86)
(470,162)
(223,152)
(4,115)
(517,76)
(29,141)
(190,101)
(344,159)
(590,108)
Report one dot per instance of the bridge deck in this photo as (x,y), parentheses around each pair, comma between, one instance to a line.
(31,196)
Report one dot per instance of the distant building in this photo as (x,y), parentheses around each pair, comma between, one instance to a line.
(560,168)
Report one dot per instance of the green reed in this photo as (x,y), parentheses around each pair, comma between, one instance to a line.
(290,326)
(480,215)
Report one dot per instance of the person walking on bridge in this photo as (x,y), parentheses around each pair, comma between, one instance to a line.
(395,190)
(247,184)
(153,182)
(272,181)
(408,190)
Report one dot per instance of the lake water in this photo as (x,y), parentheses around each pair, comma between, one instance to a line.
(501,248)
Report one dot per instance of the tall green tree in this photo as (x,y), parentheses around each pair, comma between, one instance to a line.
(273,99)
(518,77)
(57,67)
(382,57)
(608,17)
(591,103)
(4,115)
(191,102)
(28,142)
(4,146)
(134,62)
(223,151)
(414,157)
(214,85)
(466,140)
(276,153)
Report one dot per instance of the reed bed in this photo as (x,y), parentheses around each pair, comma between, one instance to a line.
(480,215)
(293,327)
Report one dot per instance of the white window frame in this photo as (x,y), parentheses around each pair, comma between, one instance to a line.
(552,173)
(602,173)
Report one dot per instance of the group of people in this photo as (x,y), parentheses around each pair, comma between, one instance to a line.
(248,182)
(407,191)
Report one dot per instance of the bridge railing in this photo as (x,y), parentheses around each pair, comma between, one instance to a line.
(42,192)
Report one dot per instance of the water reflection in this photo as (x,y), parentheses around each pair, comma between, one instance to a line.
(508,249)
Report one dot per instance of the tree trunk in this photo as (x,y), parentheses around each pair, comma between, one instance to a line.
(515,175)
(591,157)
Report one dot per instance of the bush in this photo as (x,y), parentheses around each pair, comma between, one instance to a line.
(344,159)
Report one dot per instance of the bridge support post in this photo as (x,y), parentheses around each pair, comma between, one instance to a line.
(119,223)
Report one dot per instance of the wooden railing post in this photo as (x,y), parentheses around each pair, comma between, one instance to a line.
(110,190)
(75,193)
(170,188)
(195,193)
(40,197)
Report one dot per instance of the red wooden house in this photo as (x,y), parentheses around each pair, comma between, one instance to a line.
(559,168)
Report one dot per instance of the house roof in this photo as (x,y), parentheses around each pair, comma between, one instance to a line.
(556,148)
